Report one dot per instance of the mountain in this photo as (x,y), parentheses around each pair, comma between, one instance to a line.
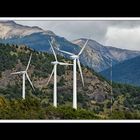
(127,72)
(14,58)
(95,55)
(94,99)
(10,29)
(34,37)
(98,57)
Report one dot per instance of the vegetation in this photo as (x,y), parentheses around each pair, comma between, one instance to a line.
(38,104)
(31,108)
(7,60)
(127,72)
(11,54)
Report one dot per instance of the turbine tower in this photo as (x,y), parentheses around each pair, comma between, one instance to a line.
(75,61)
(54,71)
(25,74)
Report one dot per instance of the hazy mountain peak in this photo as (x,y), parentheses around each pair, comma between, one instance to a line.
(95,55)
(91,42)
(98,56)
(9,29)
(7,22)
(80,40)
(48,32)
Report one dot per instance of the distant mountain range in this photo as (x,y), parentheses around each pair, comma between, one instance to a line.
(125,72)
(95,55)
(99,57)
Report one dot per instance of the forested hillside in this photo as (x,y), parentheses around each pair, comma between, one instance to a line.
(94,99)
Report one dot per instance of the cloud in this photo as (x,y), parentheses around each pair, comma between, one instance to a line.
(123,34)
(127,38)
(72,29)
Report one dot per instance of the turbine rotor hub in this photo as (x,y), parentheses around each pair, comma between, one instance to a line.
(74,56)
(55,62)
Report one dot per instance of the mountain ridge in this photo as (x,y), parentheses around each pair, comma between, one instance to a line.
(102,55)
(95,96)
(127,72)
(95,55)
(11,29)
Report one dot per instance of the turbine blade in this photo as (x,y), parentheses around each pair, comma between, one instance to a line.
(80,69)
(20,72)
(53,51)
(29,62)
(52,39)
(66,52)
(61,63)
(50,76)
(30,81)
(83,48)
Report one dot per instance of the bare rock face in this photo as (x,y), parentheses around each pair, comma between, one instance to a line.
(41,82)
(9,29)
(99,96)
(6,78)
(95,90)
(95,81)
(87,80)
(97,56)
(90,88)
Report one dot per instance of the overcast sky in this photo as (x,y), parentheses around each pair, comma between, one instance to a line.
(121,34)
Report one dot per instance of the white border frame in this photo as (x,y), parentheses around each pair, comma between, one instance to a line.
(69,121)
(69,19)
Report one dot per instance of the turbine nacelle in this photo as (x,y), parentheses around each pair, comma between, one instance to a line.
(60,63)
(74,56)
(55,62)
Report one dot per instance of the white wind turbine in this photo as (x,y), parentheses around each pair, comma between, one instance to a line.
(54,71)
(24,73)
(75,60)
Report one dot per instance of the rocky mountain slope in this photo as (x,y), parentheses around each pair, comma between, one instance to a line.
(99,57)
(9,29)
(14,58)
(95,55)
(95,96)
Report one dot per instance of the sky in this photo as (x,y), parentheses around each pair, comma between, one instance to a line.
(117,33)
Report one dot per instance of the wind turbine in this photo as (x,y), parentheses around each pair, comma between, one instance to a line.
(75,61)
(24,73)
(54,71)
